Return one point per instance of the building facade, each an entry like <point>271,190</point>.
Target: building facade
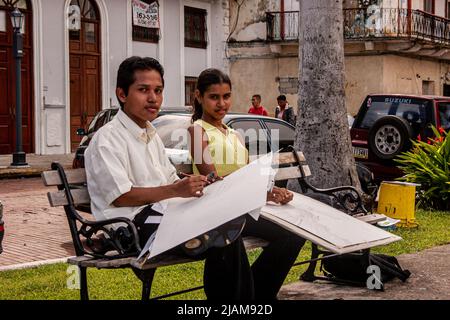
<point>72,49</point>
<point>391,46</point>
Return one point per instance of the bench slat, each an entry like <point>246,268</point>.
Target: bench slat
<point>58,198</point>
<point>250,243</point>
<point>74,176</point>
<point>288,173</point>
<point>287,158</point>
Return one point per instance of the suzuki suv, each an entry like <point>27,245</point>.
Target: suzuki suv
<point>386,124</point>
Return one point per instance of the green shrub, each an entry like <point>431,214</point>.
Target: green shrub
<point>428,165</point>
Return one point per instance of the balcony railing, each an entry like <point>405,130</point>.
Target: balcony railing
<point>362,25</point>
<point>282,26</point>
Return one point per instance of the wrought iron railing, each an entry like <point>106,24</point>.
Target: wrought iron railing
<point>361,24</point>
<point>282,26</point>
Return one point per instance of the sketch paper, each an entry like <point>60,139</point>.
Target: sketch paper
<point>334,229</point>
<point>238,193</point>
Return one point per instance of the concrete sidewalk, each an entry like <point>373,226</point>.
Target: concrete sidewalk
<point>37,164</point>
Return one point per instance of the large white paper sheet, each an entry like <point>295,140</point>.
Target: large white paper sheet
<point>242,191</point>
<point>322,222</point>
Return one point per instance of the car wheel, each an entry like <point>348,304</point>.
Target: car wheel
<point>389,136</point>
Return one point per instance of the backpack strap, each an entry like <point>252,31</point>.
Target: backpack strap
<point>392,267</point>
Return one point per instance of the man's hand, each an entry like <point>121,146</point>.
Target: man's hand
<point>280,195</point>
<point>190,186</point>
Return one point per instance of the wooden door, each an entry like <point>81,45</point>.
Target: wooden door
<point>8,79</point>
<point>85,65</point>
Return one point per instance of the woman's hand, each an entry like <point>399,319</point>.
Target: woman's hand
<point>280,195</point>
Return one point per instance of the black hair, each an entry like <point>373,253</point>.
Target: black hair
<point>257,96</point>
<point>281,97</point>
<point>125,74</point>
<point>206,79</point>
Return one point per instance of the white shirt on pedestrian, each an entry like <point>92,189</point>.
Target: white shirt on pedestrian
<point>122,155</point>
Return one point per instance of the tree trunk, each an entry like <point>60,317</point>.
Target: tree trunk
<point>322,131</point>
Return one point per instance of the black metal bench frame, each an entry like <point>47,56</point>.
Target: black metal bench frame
<point>120,246</point>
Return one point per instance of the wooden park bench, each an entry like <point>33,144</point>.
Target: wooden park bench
<point>101,247</point>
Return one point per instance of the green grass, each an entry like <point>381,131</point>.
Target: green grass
<point>49,282</point>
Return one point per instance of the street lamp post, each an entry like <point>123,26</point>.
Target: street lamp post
<point>19,157</point>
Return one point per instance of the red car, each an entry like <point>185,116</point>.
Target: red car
<point>386,124</point>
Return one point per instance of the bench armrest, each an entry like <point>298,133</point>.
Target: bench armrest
<point>124,238</point>
<point>346,196</point>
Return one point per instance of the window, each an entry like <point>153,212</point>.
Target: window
<point>144,34</point>
<point>195,33</point>
<point>447,10</point>
<point>2,21</point>
<point>414,111</point>
<point>281,135</point>
<point>444,115</point>
<point>21,4</point>
<point>428,87</point>
<point>255,137</point>
<point>6,14</point>
<point>428,6</point>
<point>189,90</point>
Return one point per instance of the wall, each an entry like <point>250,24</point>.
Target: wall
<point>52,83</point>
<point>268,77</point>
<point>363,75</point>
<point>55,106</point>
<point>118,47</point>
<point>406,75</point>
<point>251,25</point>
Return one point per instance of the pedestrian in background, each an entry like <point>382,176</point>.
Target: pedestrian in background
<point>256,107</point>
<point>284,111</point>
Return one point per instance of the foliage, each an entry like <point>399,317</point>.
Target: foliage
<point>428,164</point>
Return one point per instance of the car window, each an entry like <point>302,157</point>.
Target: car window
<point>97,122</point>
<point>173,130</point>
<point>254,135</point>
<point>412,110</point>
<point>281,134</point>
<point>444,115</point>
<point>113,113</point>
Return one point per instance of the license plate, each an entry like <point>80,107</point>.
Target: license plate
<point>361,153</point>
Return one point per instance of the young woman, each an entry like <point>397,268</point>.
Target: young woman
<point>216,148</point>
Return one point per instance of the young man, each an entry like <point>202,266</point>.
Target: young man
<point>284,111</point>
<point>256,107</point>
<point>128,170</point>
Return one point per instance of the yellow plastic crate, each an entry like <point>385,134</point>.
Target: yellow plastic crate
<point>397,200</point>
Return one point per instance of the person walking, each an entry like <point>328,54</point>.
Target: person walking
<point>256,107</point>
<point>284,111</point>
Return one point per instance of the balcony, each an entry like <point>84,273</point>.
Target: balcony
<point>382,24</point>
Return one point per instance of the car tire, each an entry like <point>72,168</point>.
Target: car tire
<point>389,137</point>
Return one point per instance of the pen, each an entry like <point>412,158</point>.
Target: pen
<point>209,177</point>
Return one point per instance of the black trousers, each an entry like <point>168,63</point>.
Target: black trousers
<point>227,275</point>
<point>273,264</point>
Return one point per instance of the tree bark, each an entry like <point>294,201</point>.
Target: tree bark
<point>322,131</point>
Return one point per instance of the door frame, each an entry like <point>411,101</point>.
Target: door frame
<point>104,54</point>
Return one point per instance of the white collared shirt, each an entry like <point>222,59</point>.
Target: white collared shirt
<point>122,155</point>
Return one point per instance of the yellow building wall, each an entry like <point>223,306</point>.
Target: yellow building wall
<point>363,75</point>
<point>406,75</point>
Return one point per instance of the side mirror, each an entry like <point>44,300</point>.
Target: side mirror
<point>81,132</point>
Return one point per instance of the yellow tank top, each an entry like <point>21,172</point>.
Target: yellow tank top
<point>227,151</point>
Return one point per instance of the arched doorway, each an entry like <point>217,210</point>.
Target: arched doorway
<point>8,78</point>
<point>85,65</point>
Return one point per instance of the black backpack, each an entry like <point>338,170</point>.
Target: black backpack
<point>363,269</point>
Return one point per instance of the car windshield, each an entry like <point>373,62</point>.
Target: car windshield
<point>172,129</point>
<point>444,115</point>
<point>410,109</point>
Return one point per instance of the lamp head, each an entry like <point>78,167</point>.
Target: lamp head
<point>17,19</point>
